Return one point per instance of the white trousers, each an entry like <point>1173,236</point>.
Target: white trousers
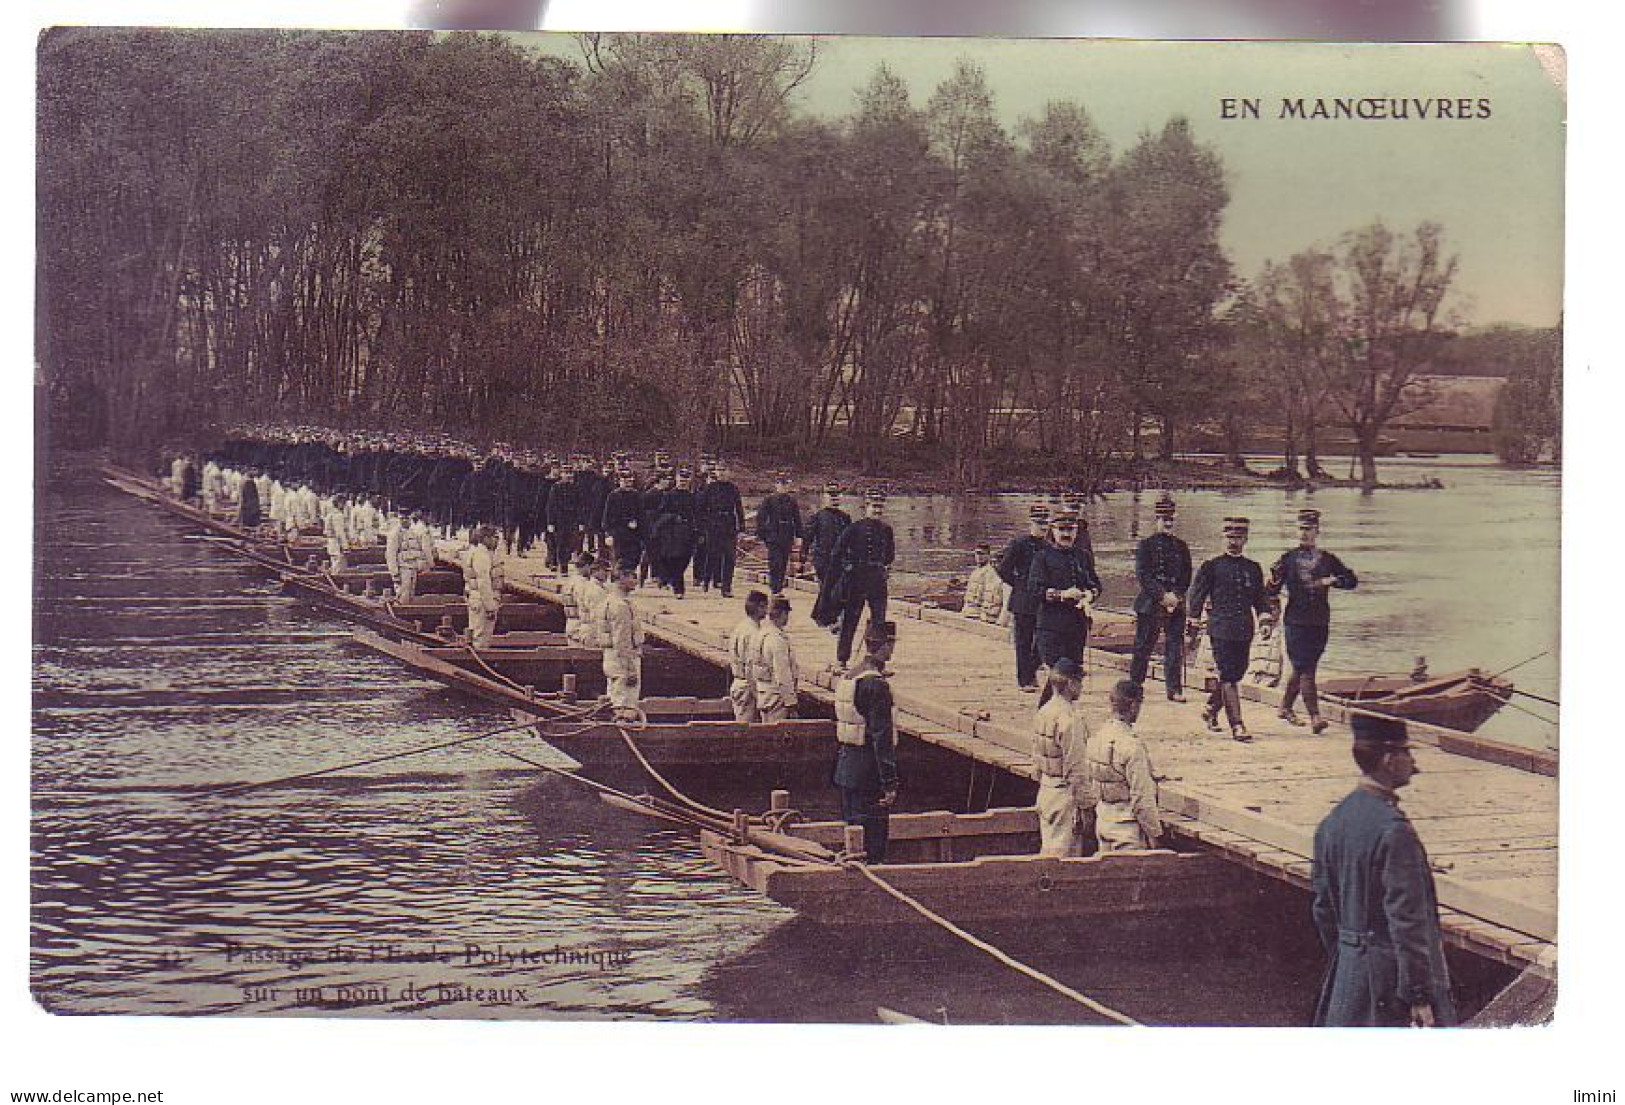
<point>1060,820</point>
<point>625,679</point>
<point>482,622</point>
<point>1117,829</point>
<point>742,694</point>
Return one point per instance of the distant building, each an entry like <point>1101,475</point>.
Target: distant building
<point>1456,404</point>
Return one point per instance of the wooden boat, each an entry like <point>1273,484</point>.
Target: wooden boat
<point>977,869</point>
<point>1461,700</point>
<point>521,677</point>
<point>699,733</point>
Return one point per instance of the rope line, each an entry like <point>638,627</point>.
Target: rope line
<point>983,946</point>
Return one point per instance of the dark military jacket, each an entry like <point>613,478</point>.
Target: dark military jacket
<point>1306,605</point>
<point>1162,563</point>
<point>1236,586</point>
<point>623,512</point>
<point>824,529</point>
<point>1012,568</point>
<point>673,532</point>
<point>1055,568</point>
<point>565,507</point>
<point>866,543</point>
<point>721,510</point>
<point>778,519</point>
<point>1377,913</point>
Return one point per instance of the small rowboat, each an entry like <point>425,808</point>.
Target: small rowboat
<point>1461,700</point>
<point>977,869</point>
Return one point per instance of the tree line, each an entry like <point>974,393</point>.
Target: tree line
<point>459,233</point>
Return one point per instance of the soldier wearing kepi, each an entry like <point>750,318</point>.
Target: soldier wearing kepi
<point>778,524</point>
<point>863,557</point>
<point>866,753</point>
<point>1375,905</point>
<point>1012,570</point>
<point>1308,574</point>
<point>1235,585</point>
<point>824,528</point>
<point>722,517</point>
<point>1060,741</point>
<point>1162,563</point>
<point>483,586</point>
<point>1063,583</point>
<point>620,632</point>
<point>623,520</point>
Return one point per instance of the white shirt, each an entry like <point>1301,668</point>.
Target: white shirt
<point>742,647</point>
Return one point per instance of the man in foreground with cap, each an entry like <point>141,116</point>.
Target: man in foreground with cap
<point>981,579</point>
<point>1063,582</point>
<point>866,752</point>
<point>1120,778</point>
<point>777,676</point>
<point>863,557</point>
<point>778,525</point>
<point>620,632</point>
<point>1308,574</point>
<point>1012,568</point>
<point>482,585</point>
<point>1162,564</point>
<point>1375,905</point>
<point>1235,585</point>
<point>1060,742</point>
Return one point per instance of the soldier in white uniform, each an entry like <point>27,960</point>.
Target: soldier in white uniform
<point>1060,740</point>
<point>482,586</point>
<point>591,595</point>
<point>742,648</point>
<point>621,634</point>
<point>571,590</point>
<point>776,673</point>
<point>338,536</point>
<point>982,579</point>
<point>1126,814</point>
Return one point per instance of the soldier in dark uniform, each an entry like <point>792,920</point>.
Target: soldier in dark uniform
<point>1235,585</point>
<point>1063,584</point>
<point>1012,568</point>
<point>564,519</point>
<point>722,517</point>
<point>1307,574</point>
<point>191,482</point>
<point>660,483</point>
<point>595,489</point>
<point>863,556</point>
<point>702,547</point>
<point>866,748</point>
<point>248,503</point>
<point>671,540</point>
<point>778,524</point>
<point>1162,563</point>
<point>623,521</point>
<point>823,529</point>
<point>1375,905</point>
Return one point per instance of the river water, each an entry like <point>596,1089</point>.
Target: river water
<point>1466,576</point>
<point>449,885</point>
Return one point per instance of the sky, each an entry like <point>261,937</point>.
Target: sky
<point>1496,184</point>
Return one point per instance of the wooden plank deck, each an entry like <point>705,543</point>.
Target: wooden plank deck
<point>1490,827</point>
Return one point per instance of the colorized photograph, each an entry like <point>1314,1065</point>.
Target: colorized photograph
<point>796,529</point>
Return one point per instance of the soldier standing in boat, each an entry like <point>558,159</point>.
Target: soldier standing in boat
<point>778,525</point>
<point>722,517</point>
<point>1060,740</point>
<point>1375,905</point>
<point>1120,777</point>
<point>620,631</point>
<point>1023,607</point>
<point>483,586</point>
<point>863,557</point>
<point>743,644</point>
<point>824,528</point>
<point>776,673</point>
<point>1307,573</point>
<point>1235,586</point>
<point>1162,564</point>
<point>1063,583</point>
<point>866,752</point>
